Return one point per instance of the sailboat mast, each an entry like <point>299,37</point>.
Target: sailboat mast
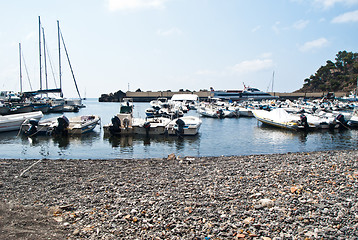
<point>59,55</point>
<point>40,53</point>
<point>43,34</point>
<point>69,63</point>
<point>20,68</point>
<point>273,78</point>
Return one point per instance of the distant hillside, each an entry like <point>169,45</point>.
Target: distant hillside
<point>338,76</point>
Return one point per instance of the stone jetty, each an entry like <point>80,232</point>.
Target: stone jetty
<point>281,196</point>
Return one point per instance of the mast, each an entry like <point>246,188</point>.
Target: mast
<point>43,34</point>
<point>273,77</point>
<point>59,55</point>
<point>68,59</point>
<point>20,68</point>
<point>40,53</point>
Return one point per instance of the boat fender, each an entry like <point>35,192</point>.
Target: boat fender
<point>180,123</point>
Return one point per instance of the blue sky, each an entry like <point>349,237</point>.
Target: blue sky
<point>173,44</point>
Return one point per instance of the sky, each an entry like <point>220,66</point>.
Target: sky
<point>157,45</point>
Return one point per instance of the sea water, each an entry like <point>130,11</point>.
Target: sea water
<point>217,137</point>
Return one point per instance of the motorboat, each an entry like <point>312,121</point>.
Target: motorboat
<point>184,126</point>
<point>280,118</point>
<point>61,125</point>
<point>159,103</point>
<point>13,121</point>
<point>150,126</point>
<point>245,112</point>
<point>121,124</point>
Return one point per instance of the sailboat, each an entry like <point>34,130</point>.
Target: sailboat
<point>58,104</point>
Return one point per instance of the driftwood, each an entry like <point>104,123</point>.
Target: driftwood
<point>27,169</point>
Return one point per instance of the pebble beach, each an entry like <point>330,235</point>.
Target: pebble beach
<point>281,196</point>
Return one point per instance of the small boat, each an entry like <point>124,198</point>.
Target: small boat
<point>159,103</point>
<point>150,126</point>
<point>245,112</point>
<point>21,108</point>
<point>4,109</point>
<point>184,126</point>
<point>13,121</point>
<point>121,124</point>
<point>61,125</point>
<point>208,111</point>
<point>43,107</point>
<point>125,124</point>
<point>280,118</point>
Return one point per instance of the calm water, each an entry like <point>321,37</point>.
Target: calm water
<point>241,136</point>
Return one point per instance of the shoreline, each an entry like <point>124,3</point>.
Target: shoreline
<point>278,196</point>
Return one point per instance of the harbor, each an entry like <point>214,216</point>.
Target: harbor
<point>178,120</point>
<point>216,137</point>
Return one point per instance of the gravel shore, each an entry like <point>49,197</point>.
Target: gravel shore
<point>279,196</point>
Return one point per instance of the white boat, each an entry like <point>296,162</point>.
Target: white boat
<point>150,126</point>
<point>13,121</point>
<point>353,121</point>
<point>61,125</point>
<point>246,94</point>
<point>208,111</point>
<point>121,124</point>
<point>184,126</point>
<point>245,112</point>
<point>159,103</point>
<point>282,119</point>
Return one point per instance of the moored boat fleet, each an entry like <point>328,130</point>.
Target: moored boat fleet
<point>163,118</point>
<point>168,117</point>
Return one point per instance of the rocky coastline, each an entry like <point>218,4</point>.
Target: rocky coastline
<point>280,196</point>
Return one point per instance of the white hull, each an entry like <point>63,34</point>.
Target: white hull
<point>191,127</point>
<point>77,125</point>
<point>13,122</point>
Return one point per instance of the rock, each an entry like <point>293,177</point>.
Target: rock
<point>248,220</point>
<point>264,203</point>
<point>171,157</point>
<point>76,232</point>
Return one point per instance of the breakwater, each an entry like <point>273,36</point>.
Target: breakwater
<point>147,96</point>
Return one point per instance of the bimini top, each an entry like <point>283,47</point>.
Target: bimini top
<point>185,97</point>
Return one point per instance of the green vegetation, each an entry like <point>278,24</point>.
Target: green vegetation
<point>339,76</point>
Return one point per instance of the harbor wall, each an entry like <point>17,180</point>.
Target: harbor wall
<point>149,95</point>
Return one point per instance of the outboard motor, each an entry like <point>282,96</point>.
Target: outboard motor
<point>340,118</point>
<point>126,123</point>
<point>303,121</point>
<point>146,126</point>
<point>116,124</point>
<point>220,113</point>
<point>62,126</point>
<point>180,123</point>
<point>33,128</point>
